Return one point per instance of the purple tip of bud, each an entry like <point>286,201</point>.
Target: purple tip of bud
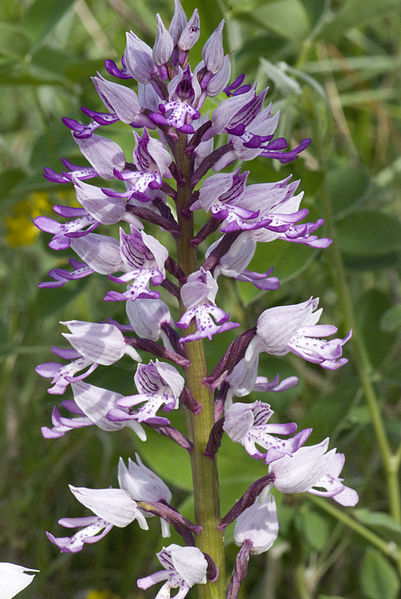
<point>73,124</point>
<point>54,177</point>
<point>234,88</point>
<point>212,572</point>
<point>242,90</point>
<point>113,69</point>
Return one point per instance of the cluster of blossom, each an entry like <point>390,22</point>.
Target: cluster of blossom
<point>183,148</point>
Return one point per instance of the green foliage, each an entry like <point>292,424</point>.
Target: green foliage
<point>378,577</point>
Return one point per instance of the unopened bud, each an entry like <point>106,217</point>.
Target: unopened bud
<point>164,45</point>
<point>190,34</point>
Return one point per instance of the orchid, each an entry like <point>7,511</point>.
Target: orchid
<point>175,183</point>
<point>310,469</point>
<point>158,384</point>
<point>258,524</point>
<point>198,296</point>
<point>293,328</point>
<point>112,507</point>
<point>90,406</point>
<point>249,424</point>
<point>183,567</point>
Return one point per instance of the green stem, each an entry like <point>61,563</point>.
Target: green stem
<point>361,359</point>
<point>204,469</point>
<point>389,549</point>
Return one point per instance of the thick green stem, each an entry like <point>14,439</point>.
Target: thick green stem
<point>204,469</point>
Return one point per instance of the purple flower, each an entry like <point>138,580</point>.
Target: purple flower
<point>243,379</point>
<point>100,254</point>
<point>90,406</point>
<point>61,276</point>
<point>293,329</point>
<point>310,469</point>
<point>103,154</point>
<point>213,51</point>
<point>163,47</point>
<point>93,344</point>
<point>138,59</point>
<point>112,507</point>
<point>143,258</point>
<point>258,524</point>
<point>190,34</point>
<point>178,22</point>
<point>183,568</point>
<point>142,484</point>
<point>198,295</point>
<point>234,262</point>
<point>151,163</point>
<point>122,102</point>
<point>147,317</point>
<point>158,384</point>
<point>249,425</point>
<point>62,233</point>
<point>184,91</point>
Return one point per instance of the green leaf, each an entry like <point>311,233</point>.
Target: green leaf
<point>346,186</point>
<point>370,310</point>
<point>13,41</point>
<point>42,16</point>
<point>369,233</point>
<point>8,180</point>
<point>330,412</point>
<point>81,70</point>
<point>355,13</point>
<point>391,319</point>
<point>355,262</point>
<point>382,523</point>
<point>237,470</point>
<point>313,527</point>
<point>378,578</point>
<point>286,18</point>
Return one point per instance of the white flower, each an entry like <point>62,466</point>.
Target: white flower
<point>14,579</point>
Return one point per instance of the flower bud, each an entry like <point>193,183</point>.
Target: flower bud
<point>190,34</point>
<point>178,22</point>
<point>213,52</point>
<point>138,58</point>
<point>164,45</point>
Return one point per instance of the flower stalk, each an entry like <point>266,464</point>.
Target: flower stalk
<point>204,469</point>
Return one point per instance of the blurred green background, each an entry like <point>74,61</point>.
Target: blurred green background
<point>333,68</point>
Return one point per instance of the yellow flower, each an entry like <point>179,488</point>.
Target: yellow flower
<point>104,594</point>
<point>20,229</point>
